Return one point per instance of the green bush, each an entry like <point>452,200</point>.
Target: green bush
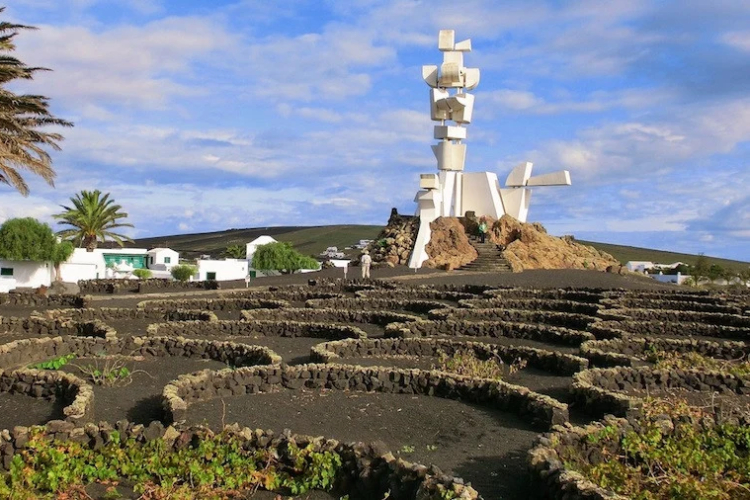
<point>675,453</point>
<point>281,256</point>
<point>143,274</point>
<point>183,272</point>
<point>216,465</point>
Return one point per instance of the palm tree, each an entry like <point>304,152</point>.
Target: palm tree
<point>21,116</point>
<point>92,217</point>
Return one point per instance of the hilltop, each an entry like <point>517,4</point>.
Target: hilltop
<point>312,240</point>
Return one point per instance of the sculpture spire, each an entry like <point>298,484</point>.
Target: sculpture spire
<point>453,192</point>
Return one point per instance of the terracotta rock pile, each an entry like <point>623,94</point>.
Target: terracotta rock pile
<point>528,246</point>
<point>449,246</point>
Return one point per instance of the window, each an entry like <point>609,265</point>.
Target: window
<point>211,276</point>
<point>167,260</point>
<point>6,271</point>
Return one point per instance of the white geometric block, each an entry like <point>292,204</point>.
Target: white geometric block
<point>430,75</point>
<point>462,107</point>
<point>451,75</point>
<point>429,181</point>
<point>450,132</point>
<point>471,78</point>
<point>463,46</point>
<point>439,109</point>
<point>450,155</point>
<point>560,178</point>
<point>454,57</point>
<point>516,202</point>
<point>446,40</point>
<point>519,175</point>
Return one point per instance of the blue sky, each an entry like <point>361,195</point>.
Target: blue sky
<point>201,116</point>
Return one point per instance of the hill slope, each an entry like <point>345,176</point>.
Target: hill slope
<point>313,240</point>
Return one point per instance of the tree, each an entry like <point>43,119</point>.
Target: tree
<point>701,269</point>
<point>29,239</point>
<point>235,252</point>
<point>281,256</point>
<point>21,119</point>
<point>183,272</point>
<point>92,217</point>
<point>142,274</point>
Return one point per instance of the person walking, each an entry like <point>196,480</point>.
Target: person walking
<point>365,261</point>
<point>482,229</point>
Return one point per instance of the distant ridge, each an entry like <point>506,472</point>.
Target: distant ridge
<point>312,240</point>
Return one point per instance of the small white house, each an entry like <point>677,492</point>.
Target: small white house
<point>253,245</point>
<point>162,259</point>
<point>222,270</point>
<point>639,266</point>
<point>25,273</point>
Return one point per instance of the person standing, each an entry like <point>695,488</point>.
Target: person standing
<point>483,229</point>
<point>365,261</point>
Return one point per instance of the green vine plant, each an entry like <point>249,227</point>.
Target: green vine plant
<point>54,364</point>
<point>674,451</point>
<point>467,363</point>
<point>111,371</point>
<point>668,360</point>
<point>218,466</point>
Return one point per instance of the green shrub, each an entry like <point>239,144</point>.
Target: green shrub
<point>183,272</point>
<point>143,274</point>
<point>212,466</point>
<point>282,257</point>
<point>671,455</point>
<point>54,364</point>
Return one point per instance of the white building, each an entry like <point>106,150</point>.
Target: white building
<point>253,245</point>
<point>25,273</point>
<point>162,259</point>
<point>222,270</point>
<point>639,266</point>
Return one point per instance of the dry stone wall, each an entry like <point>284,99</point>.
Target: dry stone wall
<point>589,296</point>
<point>228,304</point>
<point>568,306</point>
<point>414,306</point>
<point>76,395</point>
<point>36,300</point>
<point>600,390</point>
<point>709,318</point>
<point>328,315</point>
<point>549,361</point>
<point>542,411</point>
<point>633,350</point>
<point>256,327</point>
<point>508,329</point>
<point>566,320</point>
<point>615,329</point>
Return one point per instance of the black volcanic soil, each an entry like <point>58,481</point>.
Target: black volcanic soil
<point>19,409</point>
<point>485,447</point>
<point>140,400</point>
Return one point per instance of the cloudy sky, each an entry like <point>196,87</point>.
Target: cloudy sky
<point>201,116</point>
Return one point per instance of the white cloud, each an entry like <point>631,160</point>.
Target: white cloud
<point>121,66</point>
<point>737,39</point>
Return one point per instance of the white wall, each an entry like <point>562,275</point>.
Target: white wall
<point>28,273</point>
<point>229,269</point>
<point>72,273</point>
<point>158,254</point>
<point>671,278</point>
<point>96,258</point>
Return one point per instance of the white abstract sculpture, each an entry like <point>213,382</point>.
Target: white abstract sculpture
<point>453,192</point>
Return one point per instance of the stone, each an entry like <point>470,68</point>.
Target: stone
<point>449,246</point>
<point>528,247</point>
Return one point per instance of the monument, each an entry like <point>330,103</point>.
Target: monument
<point>451,191</point>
